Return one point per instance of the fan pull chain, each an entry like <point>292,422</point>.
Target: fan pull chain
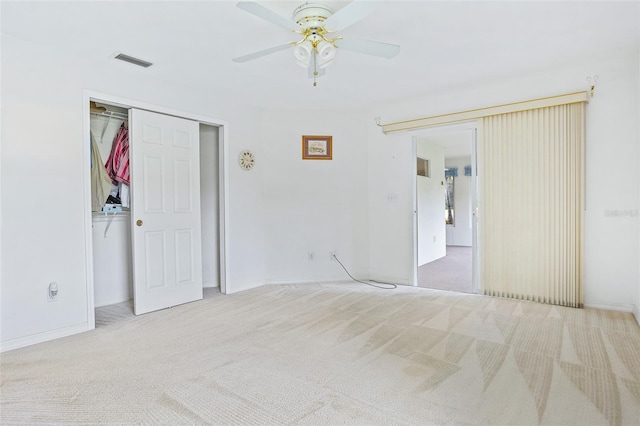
<point>315,67</point>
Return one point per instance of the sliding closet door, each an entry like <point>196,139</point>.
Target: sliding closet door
<point>165,210</point>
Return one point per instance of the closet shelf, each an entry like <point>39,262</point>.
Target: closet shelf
<point>111,114</point>
<point>110,214</point>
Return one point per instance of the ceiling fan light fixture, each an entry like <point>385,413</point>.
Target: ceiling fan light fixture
<point>326,53</point>
<point>302,53</point>
<point>316,23</point>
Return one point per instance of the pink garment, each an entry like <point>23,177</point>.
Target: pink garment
<point>117,164</point>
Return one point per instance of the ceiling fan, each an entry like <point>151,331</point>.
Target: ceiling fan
<point>317,23</point>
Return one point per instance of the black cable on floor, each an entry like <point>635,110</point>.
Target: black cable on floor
<point>364,282</point>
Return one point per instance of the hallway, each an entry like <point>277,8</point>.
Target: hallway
<point>452,272</point>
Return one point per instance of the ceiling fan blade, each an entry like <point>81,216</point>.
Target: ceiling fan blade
<point>261,53</point>
<point>351,13</point>
<point>267,14</point>
<point>368,47</point>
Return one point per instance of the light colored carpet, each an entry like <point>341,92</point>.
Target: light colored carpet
<point>452,272</point>
<point>332,354</point>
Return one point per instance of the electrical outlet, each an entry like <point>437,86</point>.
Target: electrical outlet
<point>52,292</point>
<point>332,255</point>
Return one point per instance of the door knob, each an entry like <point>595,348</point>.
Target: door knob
<point>139,222</point>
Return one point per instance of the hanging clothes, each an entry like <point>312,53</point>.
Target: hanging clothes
<point>118,162</point>
<point>100,180</point>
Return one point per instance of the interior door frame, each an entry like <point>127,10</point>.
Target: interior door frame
<point>475,196</point>
<point>223,196</point>
<point>471,126</point>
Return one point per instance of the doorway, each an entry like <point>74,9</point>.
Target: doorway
<point>212,150</point>
<point>445,203</point>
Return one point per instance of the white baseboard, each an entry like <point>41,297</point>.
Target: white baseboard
<point>21,342</point>
<point>612,307</point>
<point>381,280</point>
<point>281,282</point>
<point>636,313</point>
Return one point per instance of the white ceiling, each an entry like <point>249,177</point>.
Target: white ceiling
<point>443,44</point>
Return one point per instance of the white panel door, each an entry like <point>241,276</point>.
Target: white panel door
<point>165,210</point>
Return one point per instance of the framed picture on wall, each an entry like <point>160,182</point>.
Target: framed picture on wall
<point>317,148</point>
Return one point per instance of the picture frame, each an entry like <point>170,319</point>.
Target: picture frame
<point>317,147</point>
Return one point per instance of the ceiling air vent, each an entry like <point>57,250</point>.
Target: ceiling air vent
<point>134,61</point>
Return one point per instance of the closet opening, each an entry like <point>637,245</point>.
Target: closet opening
<point>114,285</point>
<point>210,206</point>
<point>110,208</point>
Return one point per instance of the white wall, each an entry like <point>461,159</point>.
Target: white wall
<point>611,274</point>
<point>42,156</point>
<point>367,187</point>
<point>390,218</point>
<point>637,299</point>
<point>43,172</point>
<point>209,206</point>
<point>430,198</point>
<point>459,234</point>
<point>613,132</point>
<point>313,207</point>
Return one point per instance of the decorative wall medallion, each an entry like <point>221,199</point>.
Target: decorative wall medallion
<point>247,160</point>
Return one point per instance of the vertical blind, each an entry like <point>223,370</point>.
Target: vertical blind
<point>531,210</point>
